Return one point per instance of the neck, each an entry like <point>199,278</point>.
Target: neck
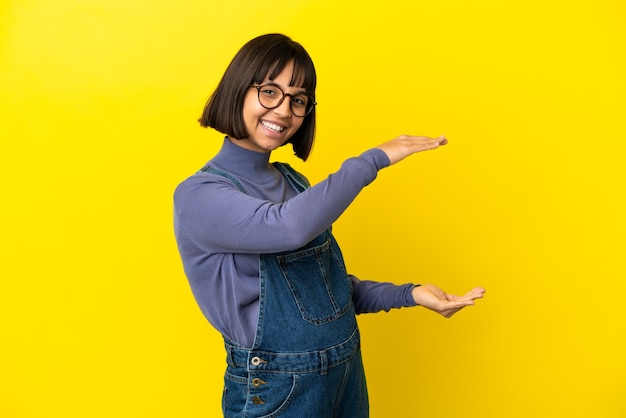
<point>243,162</point>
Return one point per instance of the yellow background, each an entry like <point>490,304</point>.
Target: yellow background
<point>99,101</point>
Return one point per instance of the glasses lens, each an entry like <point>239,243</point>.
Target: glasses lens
<point>270,96</point>
<point>300,104</point>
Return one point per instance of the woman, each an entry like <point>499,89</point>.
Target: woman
<point>257,247</point>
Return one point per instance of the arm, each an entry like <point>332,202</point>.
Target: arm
<point>214,214</point>
<point>369,296</point>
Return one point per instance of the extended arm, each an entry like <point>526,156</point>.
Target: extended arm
<point>370,296</point>
<point>214,214</point>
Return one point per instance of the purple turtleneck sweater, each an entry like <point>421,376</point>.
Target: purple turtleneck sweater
<point>221,231</point>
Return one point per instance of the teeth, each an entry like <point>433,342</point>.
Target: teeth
<point>272,126</point>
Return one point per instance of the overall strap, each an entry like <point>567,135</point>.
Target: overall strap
<point>295,179</point>
<point>213,170</point>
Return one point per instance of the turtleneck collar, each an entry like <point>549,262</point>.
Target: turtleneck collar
<point>244,163</point>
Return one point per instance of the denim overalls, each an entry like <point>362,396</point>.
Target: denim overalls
<point>306,358</point>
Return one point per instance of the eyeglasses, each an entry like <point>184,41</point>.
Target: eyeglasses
<point>271,96</point>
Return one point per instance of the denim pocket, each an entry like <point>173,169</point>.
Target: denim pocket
<point>257,394</point>
<point>318,282</point>
<point>270,394</point>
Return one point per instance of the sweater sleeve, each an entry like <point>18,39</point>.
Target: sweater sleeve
<point>369,296</point>
<point>212,213</point>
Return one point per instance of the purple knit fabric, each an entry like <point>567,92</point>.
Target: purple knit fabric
<point>220,232</point>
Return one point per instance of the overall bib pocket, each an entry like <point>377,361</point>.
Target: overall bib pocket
<point>311,275</point>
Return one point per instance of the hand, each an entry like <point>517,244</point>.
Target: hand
<point>435,299</point>
<point>401,147</point>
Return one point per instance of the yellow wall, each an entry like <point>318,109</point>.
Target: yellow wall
<point>98,109</point>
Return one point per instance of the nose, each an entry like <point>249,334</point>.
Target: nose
<point>284,110</point>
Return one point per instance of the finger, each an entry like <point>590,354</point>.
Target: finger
<point>476,293</point>
<point>455,304</point>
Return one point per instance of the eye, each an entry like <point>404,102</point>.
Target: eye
<point>300,100</point>
<point>269,91</point>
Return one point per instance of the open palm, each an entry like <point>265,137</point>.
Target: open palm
<point>445,304</point>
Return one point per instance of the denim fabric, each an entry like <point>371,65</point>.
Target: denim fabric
<point>306,358</point>
<point>304,385</point>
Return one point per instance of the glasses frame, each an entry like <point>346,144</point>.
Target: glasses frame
<point>282,99</point>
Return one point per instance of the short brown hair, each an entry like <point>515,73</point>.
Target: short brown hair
<point>262,57</point>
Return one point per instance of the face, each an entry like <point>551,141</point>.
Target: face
<point>269,129</point>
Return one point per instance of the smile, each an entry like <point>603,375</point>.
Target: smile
<point>272,126</point>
